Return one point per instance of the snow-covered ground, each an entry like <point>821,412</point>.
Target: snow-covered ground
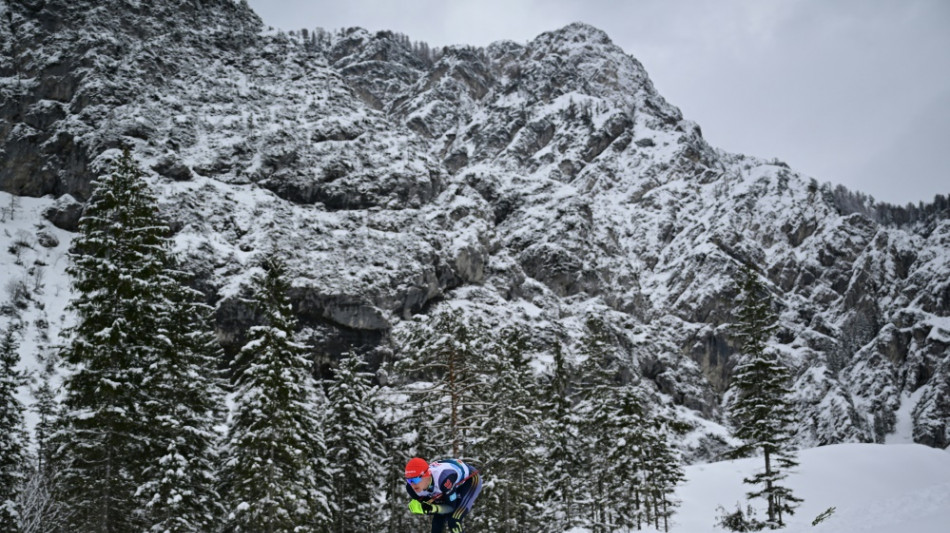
<point>873,488</point>
<point>34,287</point>
<point>904,425</point>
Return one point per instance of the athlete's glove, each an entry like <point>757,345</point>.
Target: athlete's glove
<point>417,507</point>
<point>457,528</point>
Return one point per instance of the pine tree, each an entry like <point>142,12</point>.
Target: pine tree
<point>354,449</point>
<point>440,375</point>
<point>133,422</point>
<point>661,469</point>
<point>102,449</point>
<point>398,445</point>
<point>13,451</point>
<point>560,430</point>
<point>759,406</point>
<point>627,456</point>
<point>274,471</point>
<point>509,438</point>
<point>40,512</point>
<point>46,410</point>
<point>443,365</point>
<point>186,401</point>
<point>596,408</point>
<point>627,448</point>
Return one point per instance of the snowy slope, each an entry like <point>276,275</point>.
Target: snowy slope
<point>873,488</point>
<point>35,286</point>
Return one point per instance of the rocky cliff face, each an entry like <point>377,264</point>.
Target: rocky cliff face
<point>538,183</point>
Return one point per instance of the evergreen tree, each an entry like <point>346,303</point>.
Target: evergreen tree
<point>103,447</point>
<point>135,437</point>
<point>46,410</point>
<point>443,366</point>
<point>627,449</point>
<point>40,512</point>
<point>660,469</point>
<point>509,439</point>
<point>560,430</point>
<point>354,449</point>
<point>627,456</point>
<point>441,376</point>
<point>186,401</point>
<point>596,408</point>
<point>274,472</point>
<point>759,405</point>
<point>398,445</point>
<point>13,457</point>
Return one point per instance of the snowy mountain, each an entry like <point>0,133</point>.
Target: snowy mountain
<point>533,184</point>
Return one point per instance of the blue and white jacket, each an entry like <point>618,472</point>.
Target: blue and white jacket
<point>447,475</point>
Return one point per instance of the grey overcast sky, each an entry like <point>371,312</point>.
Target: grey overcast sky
<point>855,92</point>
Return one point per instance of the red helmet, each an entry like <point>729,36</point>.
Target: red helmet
<point>416,467</point>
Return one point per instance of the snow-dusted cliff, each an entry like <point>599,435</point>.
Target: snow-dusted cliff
<point>536,184</point>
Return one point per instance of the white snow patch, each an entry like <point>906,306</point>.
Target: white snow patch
<point>904,426</point>
<point>873,488</point>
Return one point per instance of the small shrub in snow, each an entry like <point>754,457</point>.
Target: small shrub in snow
<point>738,520</point>
<point>826,514</point>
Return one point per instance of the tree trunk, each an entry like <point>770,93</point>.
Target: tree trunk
<point>453,392</point>
<point>768,486</point>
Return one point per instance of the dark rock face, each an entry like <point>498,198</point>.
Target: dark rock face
<point>930,417</point>
<point>345,310</point>
<point>233,318</point>
<point>65,213</point>
<point>173,168</point>
<point>539,182</point>
<point>559,269</point>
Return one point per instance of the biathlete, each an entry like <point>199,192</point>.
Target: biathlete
<point>445,489</point>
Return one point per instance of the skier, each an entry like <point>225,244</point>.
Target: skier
<point>445,489</point>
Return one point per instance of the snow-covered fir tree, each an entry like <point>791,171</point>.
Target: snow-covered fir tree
<point>13,445</point>
<point>274,475</point>
<point>438,381</point>
<point>661,470</point>
<point>46,408</point>
<point>119,419</point>
<point>627,447</point>
<point>758,399</point>
<point>562,442</point>
<point>185,402</point>
<point>626,454</point>
<point>508,441</point>
<point>39,511</point>
<point>442,362</point>
<point>596,407</point>
<point>398,445</point>
<point>357,459</point>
